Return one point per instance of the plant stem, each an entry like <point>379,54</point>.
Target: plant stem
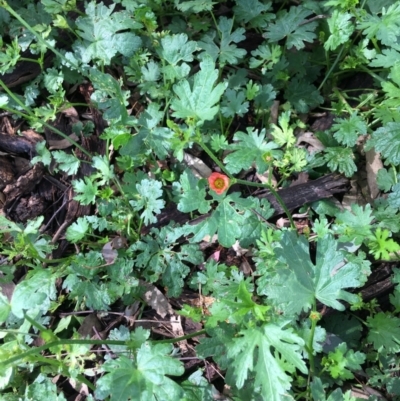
<point>215,160</point>
<point>38,350</point>
<point>309,345</point>
<point>331,69</point>
<point>177,339</point>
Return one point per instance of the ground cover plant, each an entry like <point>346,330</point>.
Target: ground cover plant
<point>149,250</point>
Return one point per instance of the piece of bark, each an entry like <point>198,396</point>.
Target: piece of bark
<point>6,172</point>
<point>311,191</point>
<point>24,185</point>
<point>29,208</point>
<point>17,145</point>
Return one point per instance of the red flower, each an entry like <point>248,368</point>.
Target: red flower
<point>219,183</point>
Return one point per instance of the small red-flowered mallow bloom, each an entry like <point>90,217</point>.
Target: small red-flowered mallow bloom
<point>219,183</point>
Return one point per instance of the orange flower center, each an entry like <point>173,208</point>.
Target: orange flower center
<point>219,183</point>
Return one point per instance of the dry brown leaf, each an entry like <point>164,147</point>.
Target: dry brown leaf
<point>373,165</point>
<point>157,300</point>
<point>62,143</point>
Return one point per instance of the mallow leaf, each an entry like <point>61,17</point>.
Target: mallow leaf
<point>256,350</point>
<point>142,379</point>
<point>251,148</point>
<point>198,99</point>
<point>300,282</point>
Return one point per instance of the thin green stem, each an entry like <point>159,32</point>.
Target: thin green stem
<point>214,159</point>
<point>38,350</point>
<point>177,339</point>
<point>310,347</point>
<point>333,66</point>
<point>315,316</point>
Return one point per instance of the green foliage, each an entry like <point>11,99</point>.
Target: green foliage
<point>342,362</point>
<point>290,26</point>
<point>252,351</point>
<point>242,86</point>
<point>144,378</point>
<point>316,280</point>
<point>198,101</point>
<point>99,34</point>
<point>250,148</point>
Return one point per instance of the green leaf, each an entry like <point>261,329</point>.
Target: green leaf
<point>229,53</point>
<point>394,197</point>
<point>109,97</point>
<point>98,30</point>
<point>5,308</point>
<point>233,103</point>
<point>265,56</point>
<point>387,59</point>
<point>58,6</point>
<point>341,28</point>
<point>255,219</point>
<point>299,283</point>
<point>44,155</point>
<point>283,134</point>
<point>250,148</point>
<point>218,44</point>
<point>384,332</point>
<point>342,362</point>
<point>176,48</point>
<point>340,159</point>
<point>93,294</point>
<point>392,89</point>
<point>302,95</point>
<point>347,131</point>
<point>226,220</point>
<point>151,138</point>
<point>198,100</point>
<point>148,193</point>
<point>386,140</point>
<point>43,389</point>
<point>195,6</point>
<point>53,80</point>
<point>269,352</point>
<point>143,379</point>
<point>9,58</point>
<point>160,258</point>
<point>36,291</point>
<point>88,190</point>
<point>355,225</point>
<point>290,25</point>
<point>386,179</point>
<point>381,246</point>
<point>265,98</point>
<point>102,164</point>
<point>197,388</point>
<point>66,162</point>
<point>253,12</point>
<point>193,195</point>
<point>385,27</point>
<point>76,231</point>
